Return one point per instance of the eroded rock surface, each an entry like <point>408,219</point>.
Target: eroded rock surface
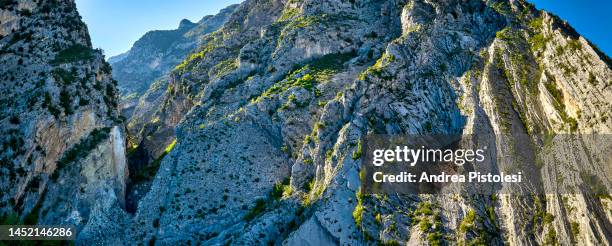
<point>61,137</point>
<point>307,80</point>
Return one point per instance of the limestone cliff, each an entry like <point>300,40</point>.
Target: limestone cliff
<point>59,123</point>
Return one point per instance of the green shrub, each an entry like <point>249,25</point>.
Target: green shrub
<point>501,7</point>
<point>573,123</point>
<point>468,221</point>
<point>25,12</point>
<point>288,13</point>
<point>65,102</point>
<point>110,91</point>
<point>74,53</point>
<point>48,103</point>
<point>328,154</point>
<point>357,153</point>
<point>26,37</point>
<point>97,85</point>
<point>223,68</point>
<point>106,68</point>
<point>434,238</point>
<point>551,237</point>
<point>548,218</point>
<point>554,91</point>
<point>358,213</point>
<point>6,3</point>
<point>536,24</point>
<point>378,219</point>
<point>557,95</point>
<point>66,77</point>
<point>505,34</point>
<point>592,80</point>
<point>32,217</point>
<point>390,243</point>
<point>376,70</point>
<point>9,219</point>
<point>318,71</point>
<point>212,42</point>
<point>575,229</point>
<point>428,127</point>
<point>260,206</point>
<point>538,41</point>
<point>574,44</point>
<point>279,189</point>
<point>307,140</point>
<point>309,185</point>
<point>14,120</point>
<point>83,101</point>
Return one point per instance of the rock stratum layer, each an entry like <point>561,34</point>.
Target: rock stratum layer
<point>259,129</point>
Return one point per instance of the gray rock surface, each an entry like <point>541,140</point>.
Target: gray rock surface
<point>315,77</point>
<point>62,140</point>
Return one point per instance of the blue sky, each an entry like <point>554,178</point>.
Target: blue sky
<point>115,25</point>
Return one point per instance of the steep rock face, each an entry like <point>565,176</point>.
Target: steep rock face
<point>58,111</point>
<point>171,97</point>
<point>270,110</point>
<point>156,53</point>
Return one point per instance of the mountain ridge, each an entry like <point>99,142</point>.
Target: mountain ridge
<point>155,53</point>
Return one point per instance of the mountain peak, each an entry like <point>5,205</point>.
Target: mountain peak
<point>185,23</point>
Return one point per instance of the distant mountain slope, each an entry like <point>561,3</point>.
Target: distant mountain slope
<point>156,53</point>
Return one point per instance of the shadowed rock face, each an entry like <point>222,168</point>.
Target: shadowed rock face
<point>258,130</point>
<point>59,123</point>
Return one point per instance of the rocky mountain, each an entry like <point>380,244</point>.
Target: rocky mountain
<point>256,137</point>
<point>264,121</point>
<point>63,145</point>
<point>156,53</point>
